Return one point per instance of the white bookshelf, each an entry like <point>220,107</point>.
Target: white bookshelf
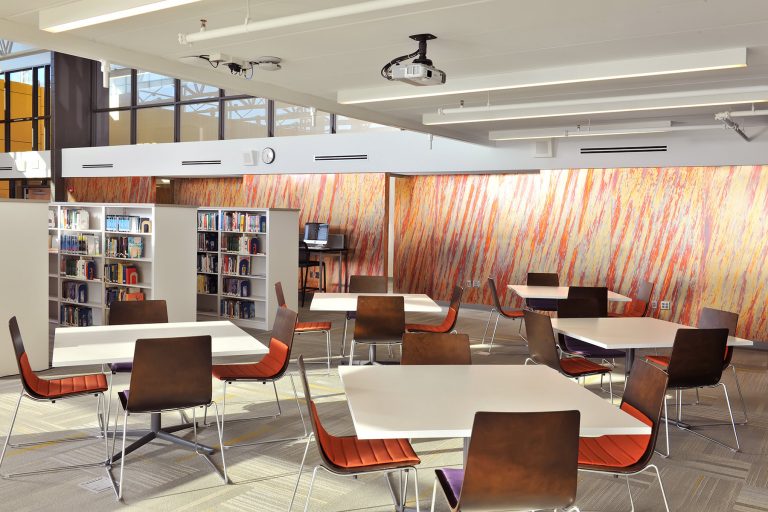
<point>238,265</point>
<point>164,265</point>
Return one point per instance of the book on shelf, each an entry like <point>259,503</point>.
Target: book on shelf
<point>207,284</point>
<point>239,309</point>
<point>125,246</point>
<point>51,219</point>
<point>207,221</point>
<point>76,315</point>
<point>75,218</point>
<point>81,244</point>
<point>122,294</point>
<point>121,273</point>
<point>207,242</point>
<point>128,224</point>
<point>254,246</point>
<point>74,291</point>
<point>135,247</point>
<point>81,267</point>
<point>207,263</point>
<point>245,222</point>
<point>236,287</point>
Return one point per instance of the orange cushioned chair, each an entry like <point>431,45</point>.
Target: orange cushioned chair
<point>307,327</point>
<point>512,314</point>
<point>270,369</point>
<point>450,319</point>
<point>350,456</point>
<point>543,350</point>
<point>638,307</point>
<point>51,390</point>
<point>625,455</point>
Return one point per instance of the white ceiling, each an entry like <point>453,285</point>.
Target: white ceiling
<point>476,38</point>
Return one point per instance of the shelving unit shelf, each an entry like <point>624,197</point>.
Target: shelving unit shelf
<point>101,252</point>
<point>241,254</point>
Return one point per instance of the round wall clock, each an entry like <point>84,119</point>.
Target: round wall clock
<point>268,155</point>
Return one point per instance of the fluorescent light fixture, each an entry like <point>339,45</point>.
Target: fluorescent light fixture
<point>295,19</point>
<point>593,106</point>
<point>85,13</point>
<point>588,72</point>
<point>594,131</point>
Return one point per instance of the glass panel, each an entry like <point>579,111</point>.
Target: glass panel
<point>119,86</point>
<point>2,98</point>
<point>200,121</point>
<point>346,124</point>
<point>195,91</point>
<point>2,138</point>
<point>296,120</point>
<point>41,79</point>
<point>245,118</point>
<point>154,88</point>
<point>21,95</point>
<point>113,128</point>
<point>41,136</point>
<point>154,125</point>
<point>21,136</point>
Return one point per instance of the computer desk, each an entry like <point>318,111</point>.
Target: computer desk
<point>322,252</point>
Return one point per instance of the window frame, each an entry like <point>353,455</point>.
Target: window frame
<point>6,119</point>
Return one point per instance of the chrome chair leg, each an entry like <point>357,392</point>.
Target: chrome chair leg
<point>488,323</point>
<point>10,429</point>
<point>493,336</point>
<point>122,459</point>
<point>629,492</point>
<point>730,413</point>
<point>328,349</point>
<point>661,485</point>
<point>741,396</point>
<point>301,469</point>
<point>434,496</point>
<point>309,491</point>
<point>351,351</point>
<point>344,337</point>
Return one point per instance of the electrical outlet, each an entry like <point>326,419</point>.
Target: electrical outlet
<point>665,305</point>
<point>477,283</point>
<point>654,304</point>
<point>469,283</point>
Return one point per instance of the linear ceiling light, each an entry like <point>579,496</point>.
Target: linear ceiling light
<point>85,13</point>
<point>592,106</point>
<point>296,19</point>
<point>595,131</point>
<point>588,72</point>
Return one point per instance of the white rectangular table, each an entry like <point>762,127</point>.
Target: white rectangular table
<point>103,344</point>
<point>622,333</point>
<point>414,302</point>
<point>555,293</point>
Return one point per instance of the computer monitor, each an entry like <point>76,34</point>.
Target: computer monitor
<point>316,233</point>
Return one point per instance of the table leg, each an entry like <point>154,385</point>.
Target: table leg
<point>398,486</point>
<point>629,361</point>
<point>465,451</point>
<point>341,274</point>
<point>158,432</point>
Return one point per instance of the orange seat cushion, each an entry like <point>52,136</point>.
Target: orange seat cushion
<point>267,368</point>
<point>58,388</point>
<point>312,326</point>
<point>513,313</point>
<point>352,453</point>
<point>615,451</point>
<point>450,319</point>
<point>659,360</point>
<point>576,366</point>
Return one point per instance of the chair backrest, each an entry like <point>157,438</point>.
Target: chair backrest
<point>542,279</point>
<point>575,308</point>
<point>170,373</point>
<point>711,318</point>
<point>280,294</point>
<point>494,293</point>
<point>697,357</point>
<point>640,303</point>
<point>521,461</point>
<point>26,374</point>
<point>598,293</point>
<point>125,312</point>
<point>368,284</point>
<point>541,339</point>
<point>380,318</point>
<point>645,391</point>
<point>434,348</point>
<point>453,309</point>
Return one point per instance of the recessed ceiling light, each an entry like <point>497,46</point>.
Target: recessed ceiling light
<point>92,12</point>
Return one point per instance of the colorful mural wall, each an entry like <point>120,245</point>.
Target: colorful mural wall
<point>111,190</point>
<point>699,233</point>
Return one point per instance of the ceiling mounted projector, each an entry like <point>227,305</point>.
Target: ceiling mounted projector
<point>420,71</point>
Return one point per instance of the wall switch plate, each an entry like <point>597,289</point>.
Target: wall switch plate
<point>654,304</point>
<point>665,305</point>
<point>469,283</point>
<point>477,283</point>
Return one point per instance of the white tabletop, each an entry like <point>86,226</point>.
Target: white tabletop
<point>626,333</point>
<point>414,302</point>
<point>101,344</point>
<point>418,401</point>
<point>555,292</point>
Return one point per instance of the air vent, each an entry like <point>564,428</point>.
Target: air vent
<point>6,168</point>
<point>98,166</point>
<point>623,149</point>
<point>335,158</point>
<point>201,162</point>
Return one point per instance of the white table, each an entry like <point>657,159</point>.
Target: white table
<point>414,302</point>
<point>103,344</point>
<point>388,402</point>
<point>627,333</point>
<point>555,292</point>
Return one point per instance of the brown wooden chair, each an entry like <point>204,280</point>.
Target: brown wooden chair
<point>588,307</point>
<point>270,369</point>
<point>434,348</point>
<point>516,461</point>
<point>640,303</point>
<point>627,455</point>
<point>305,264</point>
<point>169,374</point>
<point>380,321</point>
<point>449,323</point>
<point>350,456</point>
<point>362,284</point>
<point>51,391</point>
<point>597,293</point>
<point>512,314</point>
<point>696,362</point>
<point>542,279</point>
<point>308,327</point>
<point>543,350</point>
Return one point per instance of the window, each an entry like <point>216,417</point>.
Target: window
<point>199,121</point>
<point>196,91</point>
<point>153,88</point>
<point>154,125</point>
<point>297,120</point>
<point>245,118</point>
<point>24,115</point>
